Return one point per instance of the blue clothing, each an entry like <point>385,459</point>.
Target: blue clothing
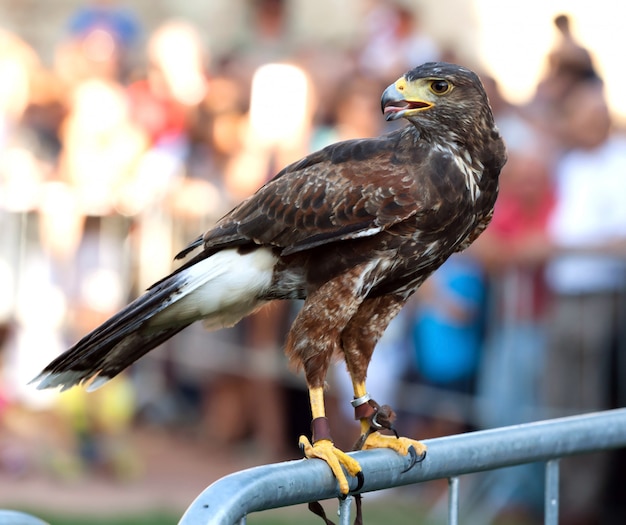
<point>121,23</point>
<point>448,329</point>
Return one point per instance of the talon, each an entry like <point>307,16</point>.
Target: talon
<point>304,445</point>
<point>401,445</point>
<point>303,442</point>
<point>336,459</point>
<point>414,458</point>
<point>360,477</point>
<point>395,432</point>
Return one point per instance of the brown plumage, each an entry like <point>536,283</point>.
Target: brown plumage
<point>352,229</point>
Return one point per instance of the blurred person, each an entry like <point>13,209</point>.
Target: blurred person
<point>588,280</point>
<point>227,105</point>
<point>447,332</point>
<point>265,38</point>
<point>18,64</point>
<point>24,170</point>
<point>567,64</point>
<point>174,105</point>
<point>32,303</point>
<point>278,127</point>
<point>516,124</point>
<point>395,40</point>
<point>101,146</point>
<point>514,252</point>
<point>101,152</point>
<point>355,113</point>
<point>119,21</point>
<point>98,43</point>
<point>215,132</point>
<point>43,117</point>
<point>175,82</point>
<point>589,221</point>
<point>32,107</point>
<point>100,440</point>
<point>20,173</point>
<point>13,456</point>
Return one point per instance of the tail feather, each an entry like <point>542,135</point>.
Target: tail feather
<point>118,342</point>
<point>221,289</point>
<point>101,363</point>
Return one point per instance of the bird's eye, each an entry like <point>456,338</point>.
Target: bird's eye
<point>440,87</point>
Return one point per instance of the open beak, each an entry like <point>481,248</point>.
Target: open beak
<point>395,105</point>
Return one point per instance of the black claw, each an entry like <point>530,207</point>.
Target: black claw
<point>360,442</point>
<point>360,481</point>
<point>415,459</point>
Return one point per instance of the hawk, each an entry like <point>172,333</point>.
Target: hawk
<point>352,229</point>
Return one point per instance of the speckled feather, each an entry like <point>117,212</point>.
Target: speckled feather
<point>327,197</point>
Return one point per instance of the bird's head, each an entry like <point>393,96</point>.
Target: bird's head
<point>439,97</point>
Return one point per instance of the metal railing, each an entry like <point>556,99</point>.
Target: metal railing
<point>13,517</point>
<point>229,500</point>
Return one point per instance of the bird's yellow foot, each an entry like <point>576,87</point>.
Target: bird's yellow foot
<point>401,445</point>
<point>375,417</point>
<point>335,458</point>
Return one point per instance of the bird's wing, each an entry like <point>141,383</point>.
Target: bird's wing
<point>348,190</point>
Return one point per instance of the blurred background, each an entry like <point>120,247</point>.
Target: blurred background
<point>127,128</point>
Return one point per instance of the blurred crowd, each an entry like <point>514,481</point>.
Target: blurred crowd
<point>118,154</point>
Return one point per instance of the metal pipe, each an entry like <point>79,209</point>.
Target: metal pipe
<point>453,501</point>
<point>551,504</point>
<point>344,510</point>
<point>227,500</point>
<point>12,517</point>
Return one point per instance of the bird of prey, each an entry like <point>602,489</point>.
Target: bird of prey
<point>352,229</point>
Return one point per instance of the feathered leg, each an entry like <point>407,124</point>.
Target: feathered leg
<point>359,339</point>
<point>312,341</point>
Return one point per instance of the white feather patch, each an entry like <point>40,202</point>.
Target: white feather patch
<point>366,233</point>
<point>221,289</point>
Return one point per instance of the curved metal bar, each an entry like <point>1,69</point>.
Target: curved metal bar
<point>13,517</point>
<point>229,499</point>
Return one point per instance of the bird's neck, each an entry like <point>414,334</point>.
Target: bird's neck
<point>472,154</point>
<point>474,148</point>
